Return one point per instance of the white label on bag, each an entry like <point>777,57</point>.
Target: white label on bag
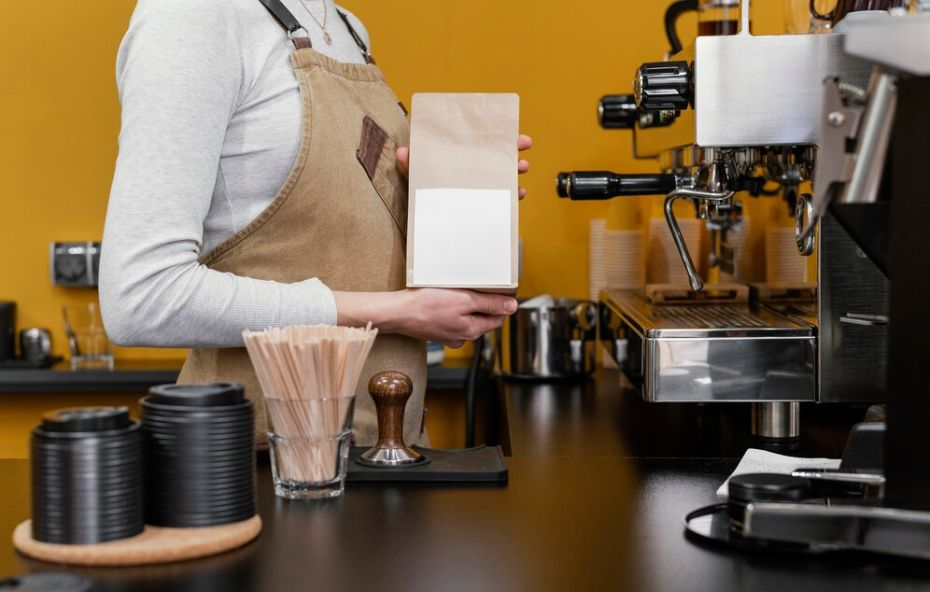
<point>462,237</point>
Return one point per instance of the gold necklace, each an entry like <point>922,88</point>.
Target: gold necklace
<point>326,36</point>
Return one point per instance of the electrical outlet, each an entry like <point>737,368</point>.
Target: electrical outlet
<point>74,265</point>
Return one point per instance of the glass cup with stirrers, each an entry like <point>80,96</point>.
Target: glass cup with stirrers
<point>308,376</point>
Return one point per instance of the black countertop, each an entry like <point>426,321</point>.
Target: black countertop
<point>599,485</point>
<point>139,376</point>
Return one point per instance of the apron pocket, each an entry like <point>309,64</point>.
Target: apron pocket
<point>377,155</point>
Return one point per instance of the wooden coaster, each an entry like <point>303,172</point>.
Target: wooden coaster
<point>156,544</point>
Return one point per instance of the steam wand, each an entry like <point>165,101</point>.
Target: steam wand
<point>697,284</point>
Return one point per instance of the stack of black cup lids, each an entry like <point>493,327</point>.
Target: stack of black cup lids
<point>86,476</point>
<point>199,457</point>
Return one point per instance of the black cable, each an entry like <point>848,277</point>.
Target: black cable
<point>672,13</point>
<point>470,393</point>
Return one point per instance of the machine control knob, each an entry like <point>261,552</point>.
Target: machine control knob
<point>663,86</point>
<point>617,112</point>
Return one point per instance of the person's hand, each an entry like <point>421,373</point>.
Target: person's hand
<point>524,142</point>
<point>450,317</point>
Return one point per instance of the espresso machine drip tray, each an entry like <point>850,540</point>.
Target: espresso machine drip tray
<point>796,301</point>
<point>708,350</point>
<point>707,317</point>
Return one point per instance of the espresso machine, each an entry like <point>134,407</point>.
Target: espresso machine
<point>734,117</point>
<point>731,116</point>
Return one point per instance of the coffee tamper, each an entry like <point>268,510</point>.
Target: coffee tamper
<point>390,391</point>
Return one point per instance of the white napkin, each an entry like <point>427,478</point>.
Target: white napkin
<point>762,461</point>
<point>542,301</point>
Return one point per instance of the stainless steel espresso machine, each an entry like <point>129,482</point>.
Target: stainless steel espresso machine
<point>732,117</point>
<point>849,111</point>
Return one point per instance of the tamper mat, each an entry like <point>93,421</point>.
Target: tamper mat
<point>392,460</point>
<point>482,464</point>
<point>155,545</point>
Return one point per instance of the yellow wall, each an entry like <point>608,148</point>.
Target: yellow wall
<point>60,119</point>
<point>561,58</point>
<point>19,413</point>
<point>60,116</point>
<point>58,131</point>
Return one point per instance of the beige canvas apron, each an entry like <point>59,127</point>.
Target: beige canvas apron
<point>341,216</point>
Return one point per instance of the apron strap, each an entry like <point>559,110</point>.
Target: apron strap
<point>357,37</point>
<point>288,21</point>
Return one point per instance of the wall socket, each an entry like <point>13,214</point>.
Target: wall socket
<point>74,265</point>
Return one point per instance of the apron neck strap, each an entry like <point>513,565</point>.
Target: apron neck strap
<point>289,23</point>
<point>356,36</point>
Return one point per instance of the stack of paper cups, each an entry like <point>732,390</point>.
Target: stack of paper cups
<point>783,263</point>
<point>738,239</point>
<point>616,260</point>
<point>597,270</point>
<point>624,259</point>
<point>664,261</point>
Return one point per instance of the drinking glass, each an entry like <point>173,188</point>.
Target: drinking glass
<point>88,343</point>
<point>309,442</point>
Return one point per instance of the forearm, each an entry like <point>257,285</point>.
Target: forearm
<point>388,311</point>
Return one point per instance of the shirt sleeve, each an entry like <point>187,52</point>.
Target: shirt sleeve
<point>179,74</point>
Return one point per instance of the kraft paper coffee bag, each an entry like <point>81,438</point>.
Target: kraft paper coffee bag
<point>462,217</point>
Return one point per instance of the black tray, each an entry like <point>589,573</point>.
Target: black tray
<point>482,464</point>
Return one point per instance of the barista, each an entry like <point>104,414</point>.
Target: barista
<point>241,201</point>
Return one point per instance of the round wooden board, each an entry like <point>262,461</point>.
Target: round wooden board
<point>155,545</point>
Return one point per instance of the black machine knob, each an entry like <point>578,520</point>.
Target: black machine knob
<point>587,185</point>
<point>663,86</point>
<point>621,112</point>
<point>617,112</point>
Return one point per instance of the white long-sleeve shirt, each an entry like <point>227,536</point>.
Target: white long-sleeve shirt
<point>210,129</point>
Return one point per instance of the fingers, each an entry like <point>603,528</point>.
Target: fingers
<point>493,304</point>
<point>456,316</point>
<point>403,160</point>
<point>480,324</point>
<point>485,324</point>
<point>524,142</point>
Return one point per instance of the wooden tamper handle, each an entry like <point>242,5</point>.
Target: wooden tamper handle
<point>390,391</point>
